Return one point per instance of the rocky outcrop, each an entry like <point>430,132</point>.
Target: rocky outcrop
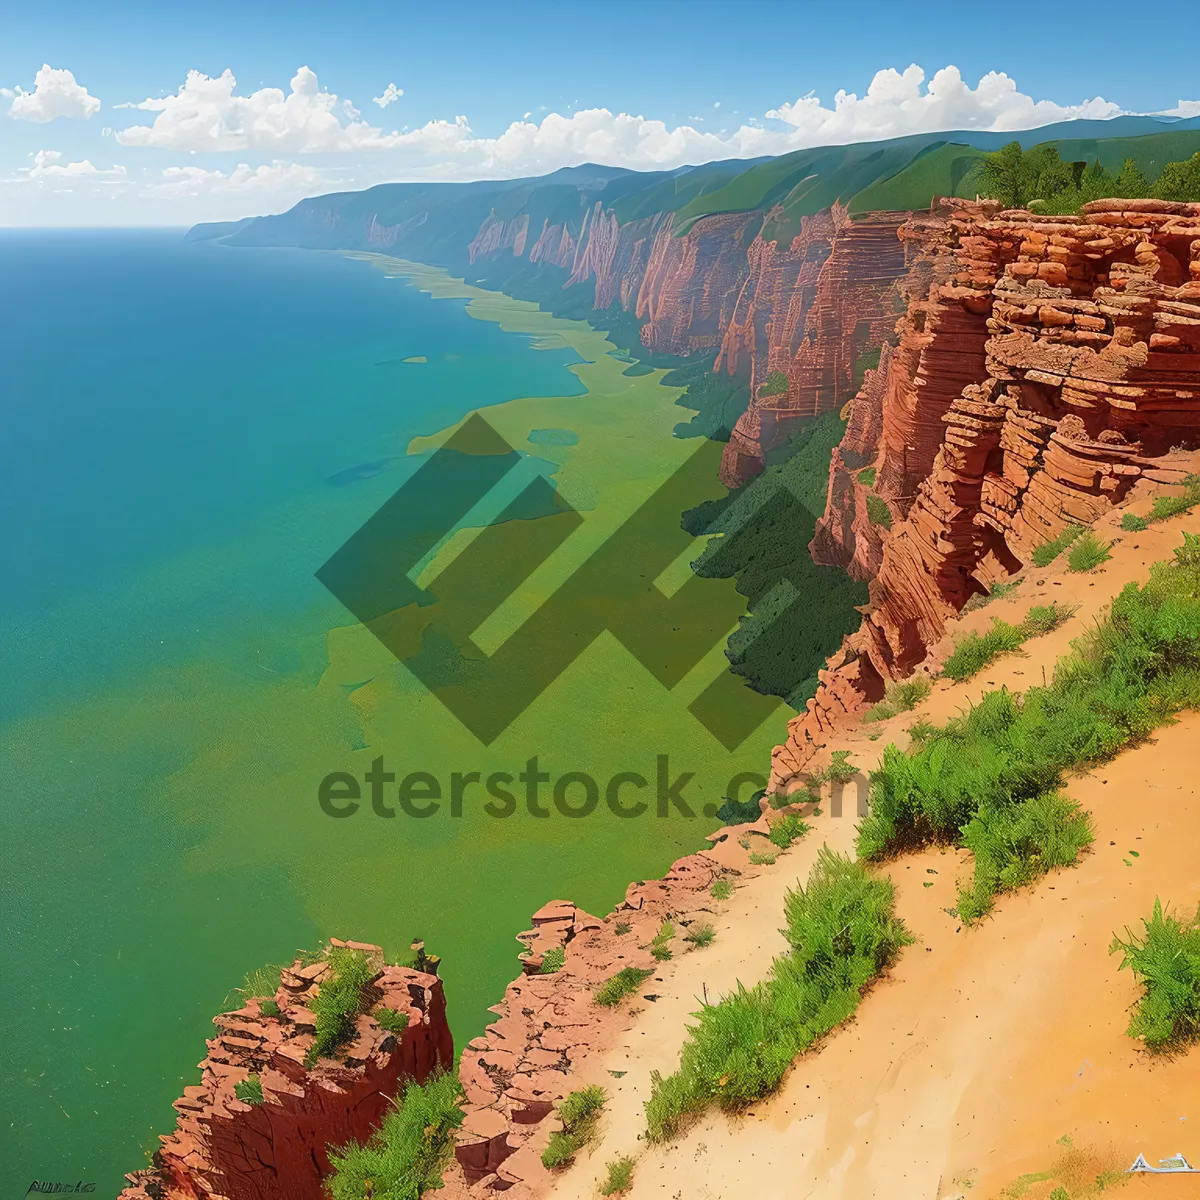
<point>548,1025</point>
<point>1045,365</point>
<point>224,1148</point>
<point>811,312</point>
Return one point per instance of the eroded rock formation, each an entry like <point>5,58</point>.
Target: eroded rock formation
<point>1044,366</point>
<point>547,1026</point>
<point>278,1150</point>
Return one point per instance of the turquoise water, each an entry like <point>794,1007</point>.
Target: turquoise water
<point>189,431</point>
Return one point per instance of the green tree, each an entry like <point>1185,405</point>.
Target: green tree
<point>1180,180</point>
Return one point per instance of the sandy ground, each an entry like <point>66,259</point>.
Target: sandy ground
<point>987,1053</point>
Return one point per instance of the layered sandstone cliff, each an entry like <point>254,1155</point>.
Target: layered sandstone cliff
<point>1045,366</point>
<point>225,1149</point>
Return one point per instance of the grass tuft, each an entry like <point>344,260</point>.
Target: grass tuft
<point>1047,552</point>
<point>878,512</point>
<point>721,890</point>
<point>1166,959</point>
<point>340,997</point>
<point>553,961</point>
<point>391,1020</point>
<point>660,948</point>
<point>1088,553</point>
<point>843,932</point>
<point>579,1113</point>
<point>624,983</point>
<point>700,935</point>
<point>619,1178</point>
<point>903,695</point>
<point>978,650</point>
<point>787,830</point>
<point>406,1155</point>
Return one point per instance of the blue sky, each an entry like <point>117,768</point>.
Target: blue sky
<point>711,79</point>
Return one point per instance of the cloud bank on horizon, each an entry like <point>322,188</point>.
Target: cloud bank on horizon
<point>206,115</point>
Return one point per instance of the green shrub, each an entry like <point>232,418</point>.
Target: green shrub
<point>579,1113</point>
<point>762,858</point>
<point>622,928</point>
<point>405,1157</point>
<point>553,961</point>
<point>249,1090</point>
<point>786,830</point>
<point>339,999</point>
<point>1088,553</point>
<point>843,932</point>
<point>867,477</point>
<point>1166,959</point>
<point>1134,524</point>
<point>1047,552</point>
<point>989,779</point>
<point>261,983</point>
<point>391,1020</point>
<point>700,935</point>
<point>878,511</point>
<point>268,1008</point>
<point>721,890</point>
<point>624,983</point>
<point>619,1178</point>
<point>840,770</point>
<point>902,695</point>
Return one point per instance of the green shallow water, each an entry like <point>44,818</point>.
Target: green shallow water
<point>176,716</point>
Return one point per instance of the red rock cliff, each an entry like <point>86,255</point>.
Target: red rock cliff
<point>812,312</point>
<point>277,1150</point>
<point>1045,365</point>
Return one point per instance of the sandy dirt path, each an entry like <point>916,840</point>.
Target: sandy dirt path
<point>984,1047</point>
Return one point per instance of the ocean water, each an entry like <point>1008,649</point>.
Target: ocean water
<point>189,431</point>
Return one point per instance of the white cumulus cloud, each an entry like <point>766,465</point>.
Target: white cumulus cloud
<point>898,103</point>
<point>391,94</point>
<point>206,115</point>
<point>1185,108</point>
<point>55,94</point>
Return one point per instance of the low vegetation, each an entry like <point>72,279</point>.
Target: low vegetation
<point>624,983</point>
<point>580,1114</point>
<point>878,511</point>
<point>249,1090</point>
<point>978,650</point>
<point>721,890</point>
<point>660,947</point>
<point>762,858</point>
<point>1165,507</point>
<point>843,932</point>
<point>901,696</point>
<point>866,477</point>
<point>1047,552</point>
<point>700,936</point>
<point>619,1178</point>
<point>340,997</point>
<point>1038,179</point>
<point>553,961</point>
<point>1088,553</point>
<point>391,1020</point>
<point>268,1008</point>
<point>405,1157</point>
<point>787,829</point>
<point>740,812</point>
<point>1166,960</point>
<point>989,780</point>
